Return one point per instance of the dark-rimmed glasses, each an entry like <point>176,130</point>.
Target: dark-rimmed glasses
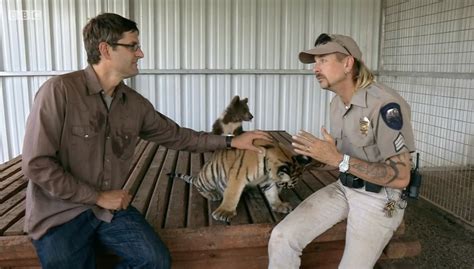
<point>133,47</point>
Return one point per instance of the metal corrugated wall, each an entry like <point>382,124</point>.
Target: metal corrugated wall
<point>252,36</point>
<point>427,55</point>
<point>198,54</point>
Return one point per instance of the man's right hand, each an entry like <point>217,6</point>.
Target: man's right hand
<point>245,140</point>
<point>114,199</point>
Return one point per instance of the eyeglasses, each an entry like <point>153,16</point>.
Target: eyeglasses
<point>325,38</point>
<point>132,47</point>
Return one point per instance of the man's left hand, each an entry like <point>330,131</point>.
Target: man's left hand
<point>245,140</point>
<point>323,150</point>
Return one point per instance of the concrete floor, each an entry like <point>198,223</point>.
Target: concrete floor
<point>445,242</point>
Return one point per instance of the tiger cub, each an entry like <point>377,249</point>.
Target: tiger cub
<point>226,174</point>
<point>230,122</point>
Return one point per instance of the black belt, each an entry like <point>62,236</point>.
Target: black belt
<point>352,181</point>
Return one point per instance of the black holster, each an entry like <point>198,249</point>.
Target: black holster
<point>352,181</point>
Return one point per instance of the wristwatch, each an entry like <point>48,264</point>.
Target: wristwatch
<point>344,164</point>
<point>228,141</point>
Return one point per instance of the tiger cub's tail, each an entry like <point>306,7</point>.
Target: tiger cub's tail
<point>205,188</point>
<point>187,178</point>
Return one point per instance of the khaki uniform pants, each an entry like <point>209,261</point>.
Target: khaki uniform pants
<point>368,228</point>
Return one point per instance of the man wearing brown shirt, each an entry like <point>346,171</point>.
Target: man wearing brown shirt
<point>79,140</point>
<point>370,140</point>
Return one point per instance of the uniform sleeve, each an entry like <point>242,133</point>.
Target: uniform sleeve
<point>41,144</point>
<point>158,128</point>
<point>394,131</point>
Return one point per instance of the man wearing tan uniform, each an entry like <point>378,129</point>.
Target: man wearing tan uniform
<point>370,141</point>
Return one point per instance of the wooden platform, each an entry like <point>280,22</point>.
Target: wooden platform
<point>182,217</point>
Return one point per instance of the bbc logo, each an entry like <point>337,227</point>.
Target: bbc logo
<point>24,15</point>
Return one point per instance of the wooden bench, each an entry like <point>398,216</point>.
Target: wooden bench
<point>182,217</point>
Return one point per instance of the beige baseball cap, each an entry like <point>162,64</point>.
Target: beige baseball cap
<point>331,44</point>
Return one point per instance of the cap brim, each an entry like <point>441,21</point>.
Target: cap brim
<point>307,56</point>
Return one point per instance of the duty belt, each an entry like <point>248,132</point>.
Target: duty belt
<point>352,181</point>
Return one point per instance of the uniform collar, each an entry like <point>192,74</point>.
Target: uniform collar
<point>94,87</point>
<point>360,98</point>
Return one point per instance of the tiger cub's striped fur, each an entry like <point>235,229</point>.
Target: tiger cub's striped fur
<point>226,174</point>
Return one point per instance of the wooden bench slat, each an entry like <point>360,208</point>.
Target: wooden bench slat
<point>281,136</point>
<point>242,213</point>
<point>176,213</point>
<point>11,202</point>
<point>313,183</point>
<point>16,228</point>
<point>140,169</point>
<point>12,216</point>
<point>7,173</point>
<point>285,135</point>
<point>10,179</point>
<point>9,163</point>
<point>140,147</point>
<point>12,189</point>
<point>249,258</point>
<point>257,206</point>
<point>197,208</point>
<point>324,255</point>
<point>159,201</point>
<point>144,192</point>
<point>16,250</point>
<point>216,237</point>
<point>324,177</point>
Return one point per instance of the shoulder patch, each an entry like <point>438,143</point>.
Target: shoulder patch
<point>392,116</point>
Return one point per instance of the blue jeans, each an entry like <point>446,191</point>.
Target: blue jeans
<point>128,235</point>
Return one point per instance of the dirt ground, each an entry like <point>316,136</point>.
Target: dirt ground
<point>445,242</point>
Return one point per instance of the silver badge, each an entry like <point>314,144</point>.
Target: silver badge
<point>364,124</point>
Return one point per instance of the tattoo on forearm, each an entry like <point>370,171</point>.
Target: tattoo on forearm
<point>385,173</point>
<point>394,167</point>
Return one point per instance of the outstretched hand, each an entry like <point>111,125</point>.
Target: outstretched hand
<point>323,150</point>
<point>245,140</point>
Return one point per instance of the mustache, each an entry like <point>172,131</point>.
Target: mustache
<point>320,76</point>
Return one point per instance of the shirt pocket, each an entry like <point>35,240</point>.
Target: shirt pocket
<point>124,143</point>
<point>84,142</point>
<point>86,133</point>
<point>365,146</point>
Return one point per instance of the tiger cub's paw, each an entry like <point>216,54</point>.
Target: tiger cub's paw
<point>282,207</point>
<point>223,215</point>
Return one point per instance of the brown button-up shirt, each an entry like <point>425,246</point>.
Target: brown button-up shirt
<point>75,146</point>
<point>360,129</point>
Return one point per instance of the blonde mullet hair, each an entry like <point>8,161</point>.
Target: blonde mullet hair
<point>361,74</point>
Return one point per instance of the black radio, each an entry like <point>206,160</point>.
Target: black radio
<point>413,188</point>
